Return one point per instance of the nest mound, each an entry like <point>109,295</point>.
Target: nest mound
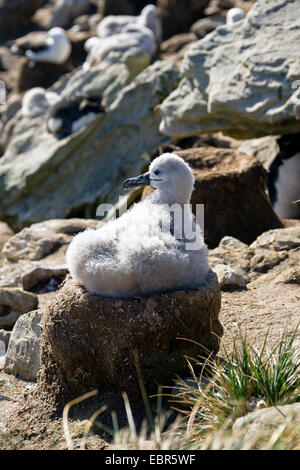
<point>90,341</point>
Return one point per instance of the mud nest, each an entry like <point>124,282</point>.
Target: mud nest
<point>90,341</point>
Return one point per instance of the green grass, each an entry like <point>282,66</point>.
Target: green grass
<point>244,379</point>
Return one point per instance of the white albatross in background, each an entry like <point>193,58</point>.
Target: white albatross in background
<point>37,102</point>
<point>234,15</point>
<point>132,36</point>
<point>56,48</point>
<point>114,24</point>
<point>145,251</point>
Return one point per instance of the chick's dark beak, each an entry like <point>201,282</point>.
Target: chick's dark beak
<point>142,180</point>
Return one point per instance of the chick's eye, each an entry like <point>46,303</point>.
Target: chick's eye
<point>156,172</point>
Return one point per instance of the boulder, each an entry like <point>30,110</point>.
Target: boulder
<point>23,355</point>
<point>13,303</point>
<point>42,177</point>
<point>177,16</point>
<point>231,185</point>
<point>89,341</point>
<point>15,15</point>
<point>229,276</point>
<point>240,79</point>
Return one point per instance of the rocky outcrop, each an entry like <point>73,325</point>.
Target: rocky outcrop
<point>23,355</point>
<point>240,79</point>
<point>42,177</point>
<point>90,341</point>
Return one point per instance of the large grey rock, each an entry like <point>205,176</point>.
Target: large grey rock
<point>43,178</point>
<point>240,79</point>
<point>23,355</point>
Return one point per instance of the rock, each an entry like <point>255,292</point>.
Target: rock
<point>176,43</point>
<point>265,149</point>
<point>231,185</point>
<point>5,336</point>
<point>177,16</point>
<point>33,243</point>
<point>8,111</point>
<point>5,234</point>
<point>66,11</point>
<point>2,354</point>
<point>279,240</point>
<point>175,47</point>
<point>263,422</point>
<point>23,354</point>
<point>229,276</point>
<point>264,260</point>
<point>117,7</point>
<point>238,103</point>
<point>35,258</point>
<point>90,164</point>
<point>13,303</point>
<point>232,243</point>
<point>289,276</point>
<point>89,341</point>
<point>15,15</point>
<point>277,267</point>
<point>233,253</point>
<point>206,25</point>
<point>41,74</point>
